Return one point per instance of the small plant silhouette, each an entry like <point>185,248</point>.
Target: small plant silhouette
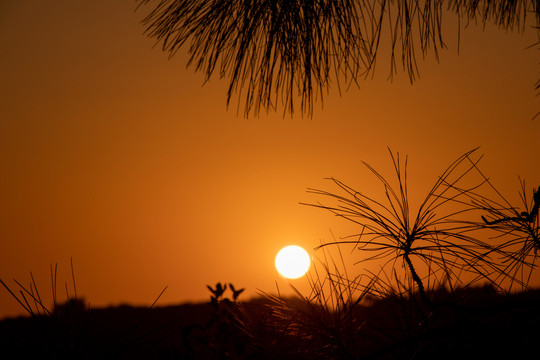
<point>435,236</point>
<point>514,234</point>
<point>62,327</point>
<point>221,337</point>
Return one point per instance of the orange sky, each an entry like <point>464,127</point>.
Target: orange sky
<point>118,157</point>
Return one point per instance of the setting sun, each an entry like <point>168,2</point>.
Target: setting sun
<point>292,262</point>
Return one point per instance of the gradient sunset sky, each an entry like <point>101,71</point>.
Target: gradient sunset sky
<point>116,156</point>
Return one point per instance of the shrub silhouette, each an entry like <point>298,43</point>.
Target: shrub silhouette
<point>436,235</point>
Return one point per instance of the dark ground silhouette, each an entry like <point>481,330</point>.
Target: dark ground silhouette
<point>476,322</point>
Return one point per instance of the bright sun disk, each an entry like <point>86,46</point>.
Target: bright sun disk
<point>292,262</point>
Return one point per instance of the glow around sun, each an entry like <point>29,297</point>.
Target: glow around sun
<point>292,262</point>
